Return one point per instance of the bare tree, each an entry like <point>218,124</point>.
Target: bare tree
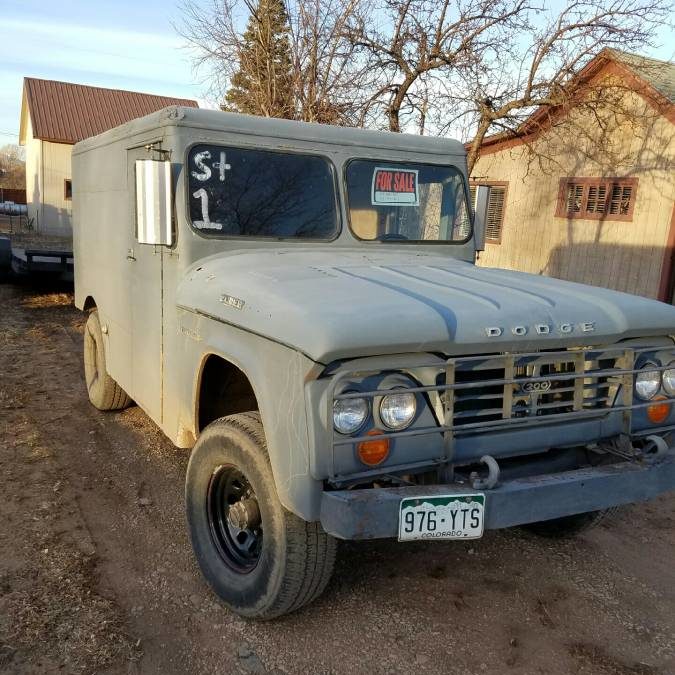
<point>331,77</point>
<point>415,43</point>
<point>327,77</point>
<point>472,68</point>
<point>12,167</point>
<point>542,67</point>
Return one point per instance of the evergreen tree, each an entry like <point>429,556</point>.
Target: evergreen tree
<point>263,83</point>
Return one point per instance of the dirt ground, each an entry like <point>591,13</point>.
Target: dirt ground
<point>97,575</point>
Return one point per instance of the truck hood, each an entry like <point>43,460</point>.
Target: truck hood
<point>334,303</point>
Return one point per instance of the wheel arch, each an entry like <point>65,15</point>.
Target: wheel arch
<point>222,387</point>
<point>89,304</point>
<point>286,434</point>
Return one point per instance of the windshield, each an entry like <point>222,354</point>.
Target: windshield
<point>260,193</point>
<point>395,201</point>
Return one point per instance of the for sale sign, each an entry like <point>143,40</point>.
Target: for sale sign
<point>394,187</point>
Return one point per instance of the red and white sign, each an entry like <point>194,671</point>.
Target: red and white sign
<point>394,187</point>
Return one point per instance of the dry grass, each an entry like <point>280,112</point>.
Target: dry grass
<point>35,240</point>
<point>53,605</point>
<point>11,399</point>
<point>47,300</point>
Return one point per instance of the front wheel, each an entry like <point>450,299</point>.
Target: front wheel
<point>262,560</point>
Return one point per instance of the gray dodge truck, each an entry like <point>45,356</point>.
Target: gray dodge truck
<point>300,306</point>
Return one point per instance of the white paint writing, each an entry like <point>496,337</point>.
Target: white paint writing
<point>205,223</point>
<point>205,170</point>
<point>222,166</point>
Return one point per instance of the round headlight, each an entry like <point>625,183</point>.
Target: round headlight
<point>669,379</point>
<point>647,382</point>
<point>349,414</point>
<point>398,410</point>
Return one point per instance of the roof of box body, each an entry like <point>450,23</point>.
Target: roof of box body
<point>214,120</point>
<point>65,112</point>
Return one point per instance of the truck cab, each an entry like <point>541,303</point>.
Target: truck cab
<point>299,306</point>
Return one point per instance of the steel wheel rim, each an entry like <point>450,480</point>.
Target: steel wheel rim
<point>240,549</point>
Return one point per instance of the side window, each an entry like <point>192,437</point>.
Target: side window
<point>68,189</point>
<point>495,211</point>
<point>597,198</point>
<point>241,192</point>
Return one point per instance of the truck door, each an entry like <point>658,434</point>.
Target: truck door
<point>144,259</point>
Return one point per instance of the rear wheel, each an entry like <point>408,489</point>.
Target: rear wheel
<point>262,560</point>
<point>569,526</point>
<point>104,392</point>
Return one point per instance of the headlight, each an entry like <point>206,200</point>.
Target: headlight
<point>669,379</point>
<point>349,414</point>
<point>647,382</point>
<point>398,410</point>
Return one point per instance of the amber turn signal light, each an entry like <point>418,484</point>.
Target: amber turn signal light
<point>375,452</point>
<point>658,412</point>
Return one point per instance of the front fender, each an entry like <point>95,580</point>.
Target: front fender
<point>277,375</point>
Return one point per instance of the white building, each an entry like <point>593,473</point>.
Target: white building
<point>55,116</point>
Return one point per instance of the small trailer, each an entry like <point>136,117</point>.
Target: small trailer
<point>56,264</point>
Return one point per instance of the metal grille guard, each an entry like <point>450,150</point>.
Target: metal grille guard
<point>620,376</point>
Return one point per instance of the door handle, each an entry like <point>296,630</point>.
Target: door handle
<point>130,254</point>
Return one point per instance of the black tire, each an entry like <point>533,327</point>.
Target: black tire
<point>569,526</point>
<point>104,392</point>
<point>5,257</point>
<point>286,562</point>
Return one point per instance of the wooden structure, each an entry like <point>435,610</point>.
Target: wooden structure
<point>589,195</point>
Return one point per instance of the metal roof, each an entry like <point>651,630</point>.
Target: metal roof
<point>64,112</point>
<point>659,74</point>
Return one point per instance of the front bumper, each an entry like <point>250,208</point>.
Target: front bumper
<point>373,513</point>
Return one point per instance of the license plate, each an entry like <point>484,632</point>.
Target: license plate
<point>441,517</point>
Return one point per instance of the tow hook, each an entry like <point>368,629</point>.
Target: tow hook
<point>491,480</point>
<point>652,449</point>
<point>620,446</point>
<point>655,447</point>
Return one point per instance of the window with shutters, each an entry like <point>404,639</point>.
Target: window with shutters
<point>495,209</point>
<point>597,198</point>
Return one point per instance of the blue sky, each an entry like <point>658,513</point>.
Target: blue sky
<point>120,44</point>
<point>126,44</point>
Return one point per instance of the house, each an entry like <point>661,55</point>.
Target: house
<point>55,116</point>
<point>587,193</point>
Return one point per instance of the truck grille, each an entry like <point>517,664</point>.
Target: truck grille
<point>483,394</point>
<point>518,388</point>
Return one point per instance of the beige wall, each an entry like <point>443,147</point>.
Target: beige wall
<point>626,256</point>
<point>56,210</point>
<point>47,166</point>
<point>33,174</point>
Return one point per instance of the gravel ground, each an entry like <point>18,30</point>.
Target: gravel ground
<point>96,572</point>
